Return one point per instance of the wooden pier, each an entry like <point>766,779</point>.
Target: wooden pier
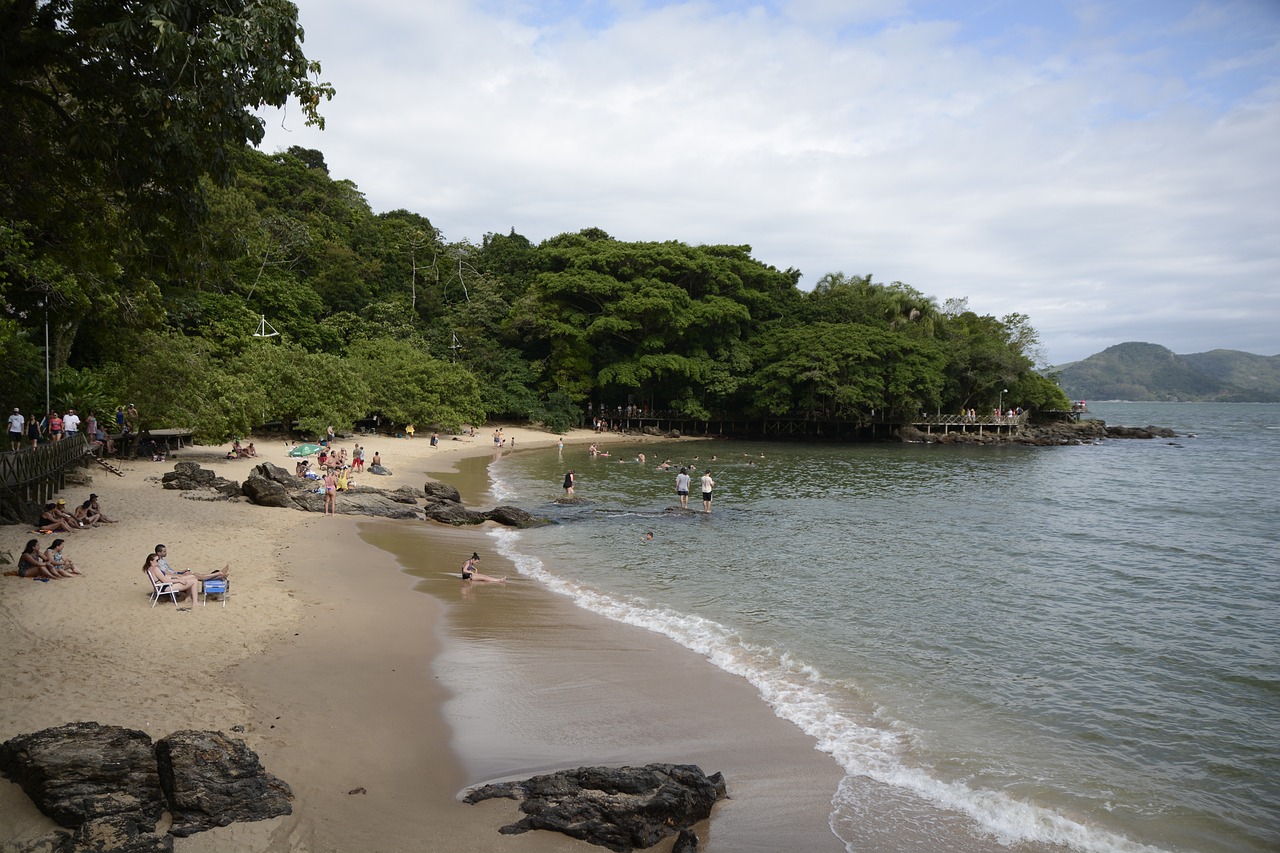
<point>877,428</point>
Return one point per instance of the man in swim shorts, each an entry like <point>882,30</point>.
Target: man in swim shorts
<point>682,487</point>
<point>707,485</point>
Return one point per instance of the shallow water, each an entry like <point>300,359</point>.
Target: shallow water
<point>1001,646</point>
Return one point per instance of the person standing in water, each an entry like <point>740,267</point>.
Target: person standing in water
<point>682,487</point>
<point>569,480</point>
<point>469,572</point>
<point>707,485</point>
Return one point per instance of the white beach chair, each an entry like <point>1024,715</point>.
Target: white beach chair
<point>159,589</point>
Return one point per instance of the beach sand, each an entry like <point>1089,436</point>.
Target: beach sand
<point>344,676</point>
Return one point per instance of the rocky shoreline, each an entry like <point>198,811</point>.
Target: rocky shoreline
<point>1039,435</point>
<point>271,485</point>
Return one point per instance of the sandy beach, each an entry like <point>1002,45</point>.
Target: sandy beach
<point>352,661</point>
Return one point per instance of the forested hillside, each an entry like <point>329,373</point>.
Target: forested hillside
<point>1141,371</point>
<point>142,225</point>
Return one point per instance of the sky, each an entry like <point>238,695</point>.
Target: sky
<point>1110,169</point>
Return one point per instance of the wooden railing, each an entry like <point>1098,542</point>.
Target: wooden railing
<point>30,478</point>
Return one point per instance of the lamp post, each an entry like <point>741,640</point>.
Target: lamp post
<point>1000,406</point>
<point>45,304</point>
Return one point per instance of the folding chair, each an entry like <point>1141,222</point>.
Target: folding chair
<point>213,586</point>
<point>159,589</point>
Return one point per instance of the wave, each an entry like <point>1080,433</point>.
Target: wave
<point>876,748</point>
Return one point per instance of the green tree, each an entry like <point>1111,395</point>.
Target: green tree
<point>409,386</point>
<point>113,113</point>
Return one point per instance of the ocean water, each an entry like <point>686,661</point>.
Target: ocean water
<point>1003,647</point>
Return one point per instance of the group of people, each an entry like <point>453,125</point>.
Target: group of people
<point>186,583</point>
<point>56,518</point>
<point>49,564</point>
<point>683,480</point>
<point>29,431</point>
<point>53,426</point>
<point>238,451</point>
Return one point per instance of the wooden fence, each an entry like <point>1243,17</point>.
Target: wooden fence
<point>30,478</point>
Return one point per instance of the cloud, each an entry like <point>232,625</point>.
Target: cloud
<point>1065,166</point>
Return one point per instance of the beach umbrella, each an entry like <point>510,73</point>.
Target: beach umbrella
<point>305,450</point>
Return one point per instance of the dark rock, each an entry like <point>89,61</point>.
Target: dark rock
<point>514,516</point>
<point>618,808</point>
<point>275,473</point>
<point>455,514</point>
<point>117,834</point>
<point>1140,432</point>
<point>365,501</point>
<point>380,470</point>
<point>82,771</point>
<point>675,433</point>
<point>189,476</point>
<point>213,780</point>
<point>266,492</point>
<point>441,492</point>
<point>269,485</point>
<point>686,842</point>
<point>402,495</point>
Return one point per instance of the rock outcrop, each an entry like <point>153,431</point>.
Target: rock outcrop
<point>271,485</point>
<point>444,504</point>
<point>620,808</point>
<point>189,476</point>
<point>82,771</point>
<point>212,780</point>
<point>111,784</point>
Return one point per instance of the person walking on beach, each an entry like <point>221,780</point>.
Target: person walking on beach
<point>569,480</point>
<point>707,485</point>
<point>682,487</point>
<point>469,572</point>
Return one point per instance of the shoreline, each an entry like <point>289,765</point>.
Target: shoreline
<point>344,678</point>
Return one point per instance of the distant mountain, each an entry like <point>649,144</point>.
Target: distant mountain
<point>1138,371</point>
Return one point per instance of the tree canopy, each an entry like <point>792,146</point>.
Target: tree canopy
<point>139,219</point>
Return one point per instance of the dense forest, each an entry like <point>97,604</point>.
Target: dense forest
<point>142,231</point>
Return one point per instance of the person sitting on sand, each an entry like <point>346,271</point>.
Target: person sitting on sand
<point>97,510</point>
<point>85,515</point>
<point>56,561</point>
<point>32,565</point>
<point>469,572</point>
<point>162,563</point>
<point>249,451</point>
<point>57,522</point>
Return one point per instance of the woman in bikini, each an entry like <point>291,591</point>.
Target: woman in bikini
<point>330,494</point>
<point>469,572</point>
